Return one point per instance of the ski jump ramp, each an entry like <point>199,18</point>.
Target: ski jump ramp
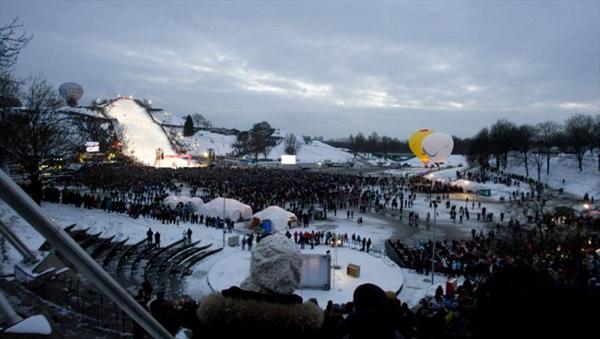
<point>141,136</point>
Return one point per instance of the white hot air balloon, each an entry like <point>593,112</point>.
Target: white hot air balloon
<point>71,92</point>
<point>438,147</point>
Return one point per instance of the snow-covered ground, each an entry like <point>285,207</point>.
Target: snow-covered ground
<point>564,167</point>
<point>314,152</point>
<point>234,269</point>
<point>372,264</point>
<point>141,135</point>
<point>201,141</point>
<point>447,171</point>
<point>454,160</point>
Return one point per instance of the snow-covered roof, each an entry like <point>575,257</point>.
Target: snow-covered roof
<point>232,209</point>
<point>173,200</point>
<point>37,324</point>
<point>278,216</point>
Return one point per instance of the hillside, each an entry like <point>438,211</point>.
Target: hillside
<point>201,141</point>
<point>141,135</point>
<point>564,167</point>
<point>314,152</point>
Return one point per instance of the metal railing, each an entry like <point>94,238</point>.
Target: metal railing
<point>19,201</point>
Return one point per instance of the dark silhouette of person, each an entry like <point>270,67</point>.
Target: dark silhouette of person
<point>147,288</point>
<point>138,331</point>
<point>371,316</point>
<point>157,239</point>
<point>149,234</point>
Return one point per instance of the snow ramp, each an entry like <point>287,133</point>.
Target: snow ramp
<point>142,137</point>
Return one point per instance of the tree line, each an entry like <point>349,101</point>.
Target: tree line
<point>535,144</point>
<point>384,144</point>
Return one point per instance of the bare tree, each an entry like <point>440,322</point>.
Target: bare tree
<point>524,134</point>
<point>200,121</point>
<point>38,139</point>
<point>536,153</point>
<point>11,44</point>
<point>502,140</point>
<point>579,133</point>
<point>292,144</point>
<point>548,136</point>
<point>242,146</point>
<point>480,149</point>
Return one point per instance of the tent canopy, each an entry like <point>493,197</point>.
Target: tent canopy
<point>234,209</point>
<point>278,216</point>
<point>194,202</point>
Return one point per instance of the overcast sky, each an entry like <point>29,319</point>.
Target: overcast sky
<point>326,69</point>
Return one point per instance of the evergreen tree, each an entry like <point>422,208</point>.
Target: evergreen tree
<point>188,127</point>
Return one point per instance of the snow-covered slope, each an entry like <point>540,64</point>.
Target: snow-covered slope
<point>564,166</point>
<point>314,152</point>
<point>142,136</point>
<point>222,145</point>
<point>203,140</point>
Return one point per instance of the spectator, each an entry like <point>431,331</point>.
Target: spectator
<point>371,316</point>
<point>264,305</point>
<point>157,239</point>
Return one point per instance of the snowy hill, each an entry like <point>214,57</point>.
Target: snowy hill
<point>222,144</point>
<point>141,135</point>
<point>564,166</point>
<point>314,152</point>
<point>201,141</point>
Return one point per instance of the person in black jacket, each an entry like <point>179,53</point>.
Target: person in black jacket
<point>371,316</point>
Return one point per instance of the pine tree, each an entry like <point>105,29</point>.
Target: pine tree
<point>188,127</point>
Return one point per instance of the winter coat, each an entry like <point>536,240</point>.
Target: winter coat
<point>236,313</point>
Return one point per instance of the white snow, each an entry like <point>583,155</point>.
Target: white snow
<point>37,324</point>
<point>141,135</point>
<point>454,160</point>
<point>278,216</point>
<point>564,166</point>
<point>314,152</point>
<point>201,141</point>
<point>387,275</point>
<point>497,191</point>
<point>233,269</point>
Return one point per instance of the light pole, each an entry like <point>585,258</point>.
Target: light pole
<point>223,219</point>
<point>433,247</point>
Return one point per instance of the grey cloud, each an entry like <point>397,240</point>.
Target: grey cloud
<point>329,68</point>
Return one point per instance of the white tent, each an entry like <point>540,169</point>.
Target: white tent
<point>173,200</point>
<point>234,209</point>
<point>278,216</point>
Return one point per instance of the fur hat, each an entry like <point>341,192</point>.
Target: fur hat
<point>275,266</point>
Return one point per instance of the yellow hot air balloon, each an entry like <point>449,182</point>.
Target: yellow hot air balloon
<point>414,142</point>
